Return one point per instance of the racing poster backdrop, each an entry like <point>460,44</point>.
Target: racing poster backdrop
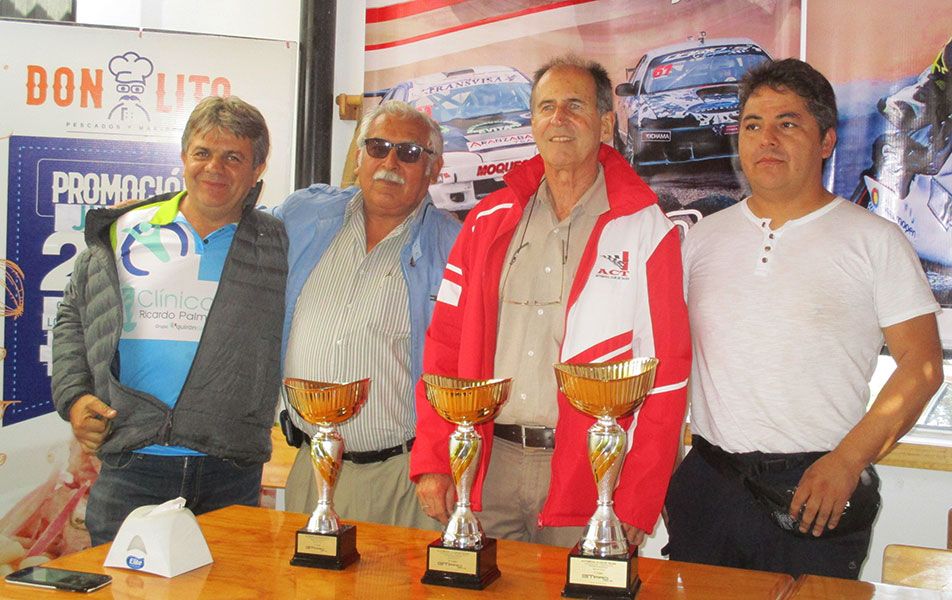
<point>92,117</point>
<point>890,70</point>
<point>676,66</point>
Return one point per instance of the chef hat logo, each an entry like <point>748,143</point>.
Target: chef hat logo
<point>130,68</point>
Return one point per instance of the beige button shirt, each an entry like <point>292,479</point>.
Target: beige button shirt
<point>540,266</point>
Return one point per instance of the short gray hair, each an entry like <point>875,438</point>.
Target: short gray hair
<point>401,110</point>
<point>603,83</point>
<point>234,115</point>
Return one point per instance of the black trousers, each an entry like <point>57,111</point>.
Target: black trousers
<point>715,520</point>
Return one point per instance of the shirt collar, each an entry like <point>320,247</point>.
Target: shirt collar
<point>168,209</point>
<point>594,200</point>
<point>169,212</point>
<point>354,217</point>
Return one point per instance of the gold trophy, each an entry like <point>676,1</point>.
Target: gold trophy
<point>464,556</point>
<point>603,564</point>
<point>325,542</point>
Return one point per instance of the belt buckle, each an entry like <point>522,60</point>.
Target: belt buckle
<point>522,430</point>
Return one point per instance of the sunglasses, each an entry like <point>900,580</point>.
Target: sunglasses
<point>407,152</point>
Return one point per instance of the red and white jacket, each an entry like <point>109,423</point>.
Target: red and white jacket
<point>626,300</point>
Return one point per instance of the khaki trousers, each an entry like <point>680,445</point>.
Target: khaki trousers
<point>514,492</point>
<point>377,492</point>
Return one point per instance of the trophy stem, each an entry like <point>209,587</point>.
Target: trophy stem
<point>327,447</point>
<point>463,529</point>
<point>603,535</point>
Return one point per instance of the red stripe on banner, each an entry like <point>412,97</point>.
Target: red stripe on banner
<point>407,9</point>
<point>462,26</point>
<point>602,348</point>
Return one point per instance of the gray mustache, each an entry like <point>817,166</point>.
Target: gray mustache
<point>385,175</point>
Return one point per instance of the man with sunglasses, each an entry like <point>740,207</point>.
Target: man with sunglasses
<point>365,265</point>
<point>572,262</point>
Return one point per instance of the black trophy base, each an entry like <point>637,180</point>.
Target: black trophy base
<point>326,550</point>
<point>455,567</point>
<point>602,578</point>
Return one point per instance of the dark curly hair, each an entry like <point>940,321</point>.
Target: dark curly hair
<point>800,78</point>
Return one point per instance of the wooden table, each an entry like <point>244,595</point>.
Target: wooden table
<point>814,587</point>
<point>252,547</point>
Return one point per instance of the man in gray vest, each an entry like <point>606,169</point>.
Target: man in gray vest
<point>166,344</point>
<point>365,266</point>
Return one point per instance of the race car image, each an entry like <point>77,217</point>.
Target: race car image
<point>484,114</point>
<point>680,102</point>
<point>910,180</point>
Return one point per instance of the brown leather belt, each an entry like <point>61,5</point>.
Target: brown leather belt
<point>528,437</point>
<point>375,456</point>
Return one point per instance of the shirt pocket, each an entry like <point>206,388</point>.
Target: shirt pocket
<point>389,313</point>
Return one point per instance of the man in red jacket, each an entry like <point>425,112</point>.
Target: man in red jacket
<point>572,262</point>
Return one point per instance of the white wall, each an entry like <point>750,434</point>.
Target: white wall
<point>348,75</point>
<point>245,18</point>
<point>279,20</point>
<point>916,504</point>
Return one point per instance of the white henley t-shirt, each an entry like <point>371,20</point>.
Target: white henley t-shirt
<point>787,323</point>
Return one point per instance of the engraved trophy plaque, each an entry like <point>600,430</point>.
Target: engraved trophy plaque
<point>464,556</point>
<point>325,542</point>
<point>603,564</point>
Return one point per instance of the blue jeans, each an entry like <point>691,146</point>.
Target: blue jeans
<point>129,480</point>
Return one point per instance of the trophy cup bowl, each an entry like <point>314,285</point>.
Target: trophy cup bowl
<point>605,391</point>
<point>324,542</point>
<point>466,401</point>
<point>463,556</point>
<point>323,403</point>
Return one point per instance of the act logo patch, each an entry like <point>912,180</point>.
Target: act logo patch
<point>613,266</point>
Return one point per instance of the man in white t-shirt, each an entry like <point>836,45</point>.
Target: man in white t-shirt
<point>791,294</point>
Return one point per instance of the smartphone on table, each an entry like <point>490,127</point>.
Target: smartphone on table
<point>59,579</point>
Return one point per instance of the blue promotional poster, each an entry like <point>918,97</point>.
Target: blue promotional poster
<point>53,183</point>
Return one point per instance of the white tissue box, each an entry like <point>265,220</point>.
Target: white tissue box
<point>164,539</point>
